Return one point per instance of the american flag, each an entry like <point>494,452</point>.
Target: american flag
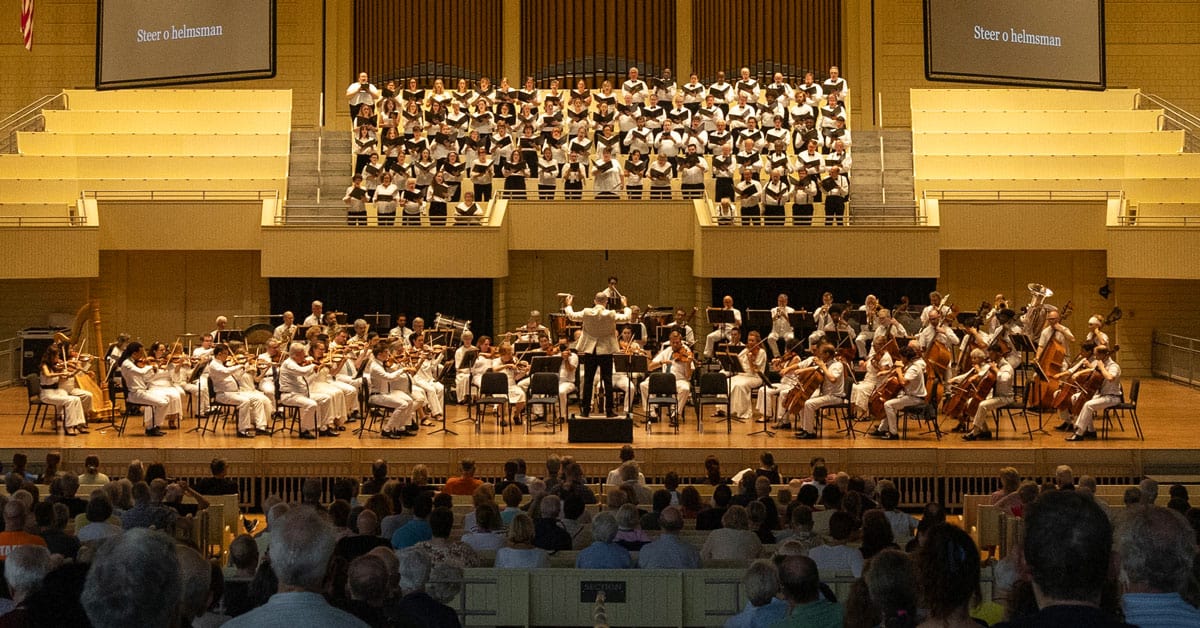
<point>27,23</point>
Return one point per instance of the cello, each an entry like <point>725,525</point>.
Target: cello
<point>888,390</point>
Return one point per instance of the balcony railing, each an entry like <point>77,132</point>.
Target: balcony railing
<point>1176,358</point>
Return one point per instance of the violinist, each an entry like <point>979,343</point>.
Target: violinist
<point>272,358</point>
<point>350,375</point>
<point>681,324</point>
<point>156,405</point>
<point>463,364</point>
<point>879,363</point>
<point>325,381</point>
<point>508,364</point>
<point>832,391</point>
<point>426,378</point>
<point>566,374</point>
<point>781,326</point>
<point>675,358</point>
<point>384,381</point>
<point>224,375</point>
<point>295,374</point>
<point>1001,395</point>
<point>53,372</point>
<point>1108,395</point>
<point>754,362</point>
<point>484,358</point>
<point>913,392</point>
<point>1096,333</point>
<point>163,379</point>
<point>622,381</point>
<point>77,363</point>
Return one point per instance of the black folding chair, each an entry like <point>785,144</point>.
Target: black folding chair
<point>493,391</point>
<point>712,391</point>
<point>543,392</point>
<point>38,409</point>
<point>1126,407</point>
<point>927,413</point>
<point>662,393</point>
<point>841,412</point>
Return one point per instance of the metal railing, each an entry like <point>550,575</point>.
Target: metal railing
<point>10,362</point>
<point>179,195</point>
<point>1135,220</point>
<point>29,119</point>
<point>1173,118</point>
<point>69,219</point>
<point>1176,358</point>
<point>1023,195</point>
<point>301,214</point>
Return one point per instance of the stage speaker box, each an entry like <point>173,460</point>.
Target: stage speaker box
<point>599,430</point>
<point>34,342</point>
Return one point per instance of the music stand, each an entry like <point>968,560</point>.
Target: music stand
<point>378,321</point>
<point>439,337</point>
<point>545,364</point>
<point>632,366</point>
<point>840,339</point>
<point>229,335</point>
<point>614,303</point>
<point>855,318</point>
<point>1044,377</point>
<point>720,316</point>
<point>803,324</point>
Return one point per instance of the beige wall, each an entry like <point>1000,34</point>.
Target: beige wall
<point>1166,305</point>
<point>33,302</point>
<point>64,52</point>
<point>1154,46</point>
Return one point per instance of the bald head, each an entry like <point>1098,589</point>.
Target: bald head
<point>368,522</point>
<point>799,578</point>
<point>670,519</point>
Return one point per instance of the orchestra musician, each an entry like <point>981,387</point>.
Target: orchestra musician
<point>979,366</point>
<point>1096,333</point>
<point>781,326</point>
<point>821,318</point>
<point>836,326</point>
<point>887,325</point>
<point>295,375</point>
<point>721,330</point>
<point>74,360</point>
<point>1054,330</point>
<point>483,361</point>
<point>221,332</point>
<point>163,379</point>
<point>935,305</point>
<point>286,331</point>
<point>383,377</point>
<point>788,366</point>
<point>754,362</point>
<point>999,303</point>
<point>463,364</point>
<point>317,315</point>
<point>356,356</point>
<point>913,392</point>
<point>1108,395</point>
<point>401,330</point>
<point>224,374</point>
<point>53,373</point>
<point>1004,327</point>
<point>597,343</point>
<point>878,363</point>
<point>508,364</point>
<point>272,357</point>
<point>938,330</point>
<point>673,358</point>
<point>343,397</point>
<point>832,391</point>
<point>680,324</point>
<point>867,331</point>
<point>156,404</point>
<point>533,328</point>
<point>428,371</point>
<point>621,380</point>
<point>1001,395</point>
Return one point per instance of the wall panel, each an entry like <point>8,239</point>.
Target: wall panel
<point>595,40</point>
<point>767,36</point>
<point>425,40</point>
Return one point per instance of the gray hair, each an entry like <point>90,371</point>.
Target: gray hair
<point>367,578</point>
<point>1156,547</point>
<point>628,517</point>
<point>301,544</point>
<point>277,511</point>
<point>414,569</point>
<point>604,527</point>
<point>195,577</point>
<point>628,471</point>
<point>134,581</point>
<point>1149,489</point>
<point>551,507</point>
<point>26,567</point>
<point>445,582</point>
<point>761,582</point>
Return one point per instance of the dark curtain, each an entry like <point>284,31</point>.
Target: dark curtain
<point>469,299</point>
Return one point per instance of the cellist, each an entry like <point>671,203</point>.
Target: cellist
<point>879,362</point>
<point>936,330</point>
<point>913,393</point>
<point>1054,331</point>
<point>979,365</point>
<point>788,366</point>
<point>1108,395</point>
<point>1001,395</point>
<point>832,391</point>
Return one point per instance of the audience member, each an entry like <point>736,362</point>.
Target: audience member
<point>948,574</point>
<point>464,484</point>
<point>512,496</point>
<point>734,540</point>
<point>800,581</point>
<point>603,553</point>
<point>417,607</point>
<point>660,499</point>
<point>668,551</point>
<point>134,581</point>
<point>614,476</point>
<point>1156,551</point>
<point>710,518</point>
<point>520,551</point>
<point>1068,541</point>
<point>51,520</point>
<point>148,511</point>
<point>489,533</point>
<point>218,483</point>
<point>835,555</point>
<point>91,472</point>
<point>891,593</point>
<point>25,567</point>
<point>16,515</point>
<point>876,534</point>
<point>760,584</point>
<point>417,529</point>
<point>801,530</point>
<point>379,477</point>
<point>481,495</point>
<point>367,590</point>
<point>629,529</point>
<point>511,470</point>
<point>99,516</point>
<point>301,547</point>
<point>195,579</point>
<point>352,546</point>
<point>768,469</point>
<point>440,548</point>
<point>575,524</point>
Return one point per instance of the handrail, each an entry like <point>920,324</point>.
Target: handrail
<point>1176,358</point>
<point>179,195</point>
<point>10,362</point>
<point>335,215</point>
<point>28,118</point>
<point>31,107</point>
<point>1186,121</point>
<point>67,220</point>
<point>1022,195</point>
<point>1127,220</point>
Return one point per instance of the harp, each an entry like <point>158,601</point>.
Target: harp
<point>85,335</point>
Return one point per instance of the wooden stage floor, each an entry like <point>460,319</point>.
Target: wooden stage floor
<point>1167,415</point>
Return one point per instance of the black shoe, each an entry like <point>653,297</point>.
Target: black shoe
<point>786,425</point>
<point>245,435</point>
<point>341,428</point>
<point>308,436</point>
<point>70,432</point>
<point>609,414</point>
<point>262,432</point>
<point>803,435</point>
<point>388,435</point>
<point>82,429</point>
<point>1089,435</point>
<point>411,430</point>
<point>889,436</point>
<point>330,433</point>
<point>877,433</point>
<point>1075,438</point>
<point>985,435</point>
<point>971,436</point>
<point>720,414</point>
<point>154,431</point>
<point>1065,426</point>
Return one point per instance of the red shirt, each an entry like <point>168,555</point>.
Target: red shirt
<point>9,540</point>
<point>461,486</point>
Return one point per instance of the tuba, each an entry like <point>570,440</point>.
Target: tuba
<point>1035,312</point>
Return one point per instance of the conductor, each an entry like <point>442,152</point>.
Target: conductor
<point>596,346</point>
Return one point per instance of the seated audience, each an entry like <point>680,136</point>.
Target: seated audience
<point>763,607</point>
<point>734,540</point>
<point>1156,552</point>
<point>800,581</point>
<point>835,555</point>
<point>603,553</point>
<point>417,607</point>
<point>135,581</point>
<point>520,551</point>
<point>440,548</point>
<point>668,551</point>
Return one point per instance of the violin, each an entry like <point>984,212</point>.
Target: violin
<point>683,354</point>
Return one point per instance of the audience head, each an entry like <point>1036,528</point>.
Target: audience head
<point>841,526</point>
<point>808,495</point>
<point>722,495</point>
<point>302,542</point>
<point>660,499</point>
<point>520,530</point>
<point>1067,546</point>
<point>628,471</point>
<point>1010,479</point>
<point>1149,489</point>
<point>628,517</point>
<point>573,507</point>
<point>736,518</point>
<point>948,569</point>
<point>892,587</point>
<point>243,553</point>
<point>445,582</point>
<point>549,507</point>
<point>876,531</point>
<point>799,579</point>
<point>604,527</point>
<point>487,518</point>
<point>414,569</point>
<point>15,515</point>
<point>367,579</point>
<point>761,582</point>
<point>134,581</point>
<point>195,576</point>
<point>24,569</point>
<point>99,508</point>
<point>1132,496</point>
<point>1064,476</point>
<point>670,519</point>
<point>511,495</point>
<point>1156,548</point>
<point>441,522</point>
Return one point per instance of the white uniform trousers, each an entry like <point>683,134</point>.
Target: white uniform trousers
<point>893,407</point>
<point>70,405</point>
<point>986,408</point>
<point>711,340</point>
<point>1087,416</point>
<point>773,338</point>
<point>354,383</point>
<point>337,402</point>
<point>740,388</point>
<point>620,382</point>
<point>403,410</point>
<point>435,395</point>
<point>251,406</point>
<point>774,396</point>
<point>313,408</point>
<point>84,396</point>
<point>157,405</point>
<point>809,414</point>
<point>863,342</point>
<point>860,393</point>
<point>683,391</point>
<point>462,385</point>
<point>172,391</point>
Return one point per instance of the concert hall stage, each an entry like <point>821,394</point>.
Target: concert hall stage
<point>926,468</point>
